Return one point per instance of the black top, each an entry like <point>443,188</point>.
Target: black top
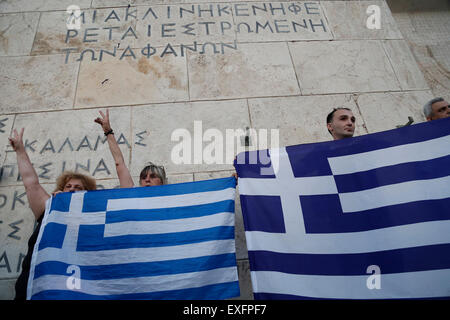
<point>22,281</point>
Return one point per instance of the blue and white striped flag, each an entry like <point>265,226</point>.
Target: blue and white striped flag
<point>165,242</point>
<point>360,218</point>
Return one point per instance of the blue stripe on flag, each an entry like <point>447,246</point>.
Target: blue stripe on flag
<point>90,238</point>
<point>263,213</point>
<point>61,202</point>
<point>279,296</point>
<point>312,159</point>
<point>323,214</point>
<point>170,213</point>
<point>419,170</point>
<point>53,236</point>
<point>95,201</point>
<point>218,291</point>
<point>254,161</point>
<point>139,269</point>
<point>433,257</point>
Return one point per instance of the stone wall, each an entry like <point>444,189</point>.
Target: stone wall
<point>161,65</point>
<point>425,26</point>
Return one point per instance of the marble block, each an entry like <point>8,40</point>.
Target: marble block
<point>7,291</point>
<point>427,33</point>
<point>342,67</point>
<point>280,21</point>
<point>164,134</point>
<point>36,83</point>
<point>253,70</point>
<point>17,225</point>
<point>433,67</point>
<point>117,3</point>
<point>348,20</point>
<point>405,66</point>
<point>300,119</point>
<point>68,140</point>
<point>17,32</point>
<point>6,123</point>
<point>99,28</point>
<point>132,80</point>
<point>184,24</point>
<point>113,183</point>
<point>179,178</point>
<point>110,3</point>
<point>40,5</point>
<point>385,111</point>
<point>245,281</point>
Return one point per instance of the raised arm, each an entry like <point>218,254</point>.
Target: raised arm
<point>122,171</point>
<point>36,194</point>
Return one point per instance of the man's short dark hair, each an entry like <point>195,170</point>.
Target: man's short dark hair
<point>331,114</point>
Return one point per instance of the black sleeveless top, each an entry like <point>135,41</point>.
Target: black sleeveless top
<point>22,281</point>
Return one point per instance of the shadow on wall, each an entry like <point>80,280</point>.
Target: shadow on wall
<point>418,5</point>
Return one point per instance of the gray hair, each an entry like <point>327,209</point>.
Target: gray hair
<point>152,168</point>
<point>427,110</point>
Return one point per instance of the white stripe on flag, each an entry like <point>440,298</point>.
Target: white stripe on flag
<point>179,200</point>
<point>419,151</point>
<point>141,284</point>
<point>169,226</point>
<point>398,193</point>
<point>421,284</point>
<point>91,218</point>
<point>300,186</point>
<point>405,236</point>
<point>119,256</point>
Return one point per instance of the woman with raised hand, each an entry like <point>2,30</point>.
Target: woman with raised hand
<point>37,196</point>
<point>151,175</point>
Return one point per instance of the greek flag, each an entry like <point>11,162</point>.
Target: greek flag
<point>360,218</point>
<point>164,242</point>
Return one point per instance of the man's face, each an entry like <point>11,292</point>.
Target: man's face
<point>343,124</point>
<point>440,110</point>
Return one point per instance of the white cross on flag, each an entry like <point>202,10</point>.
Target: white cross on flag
<point>164,242</point>
<point>360,218</point>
